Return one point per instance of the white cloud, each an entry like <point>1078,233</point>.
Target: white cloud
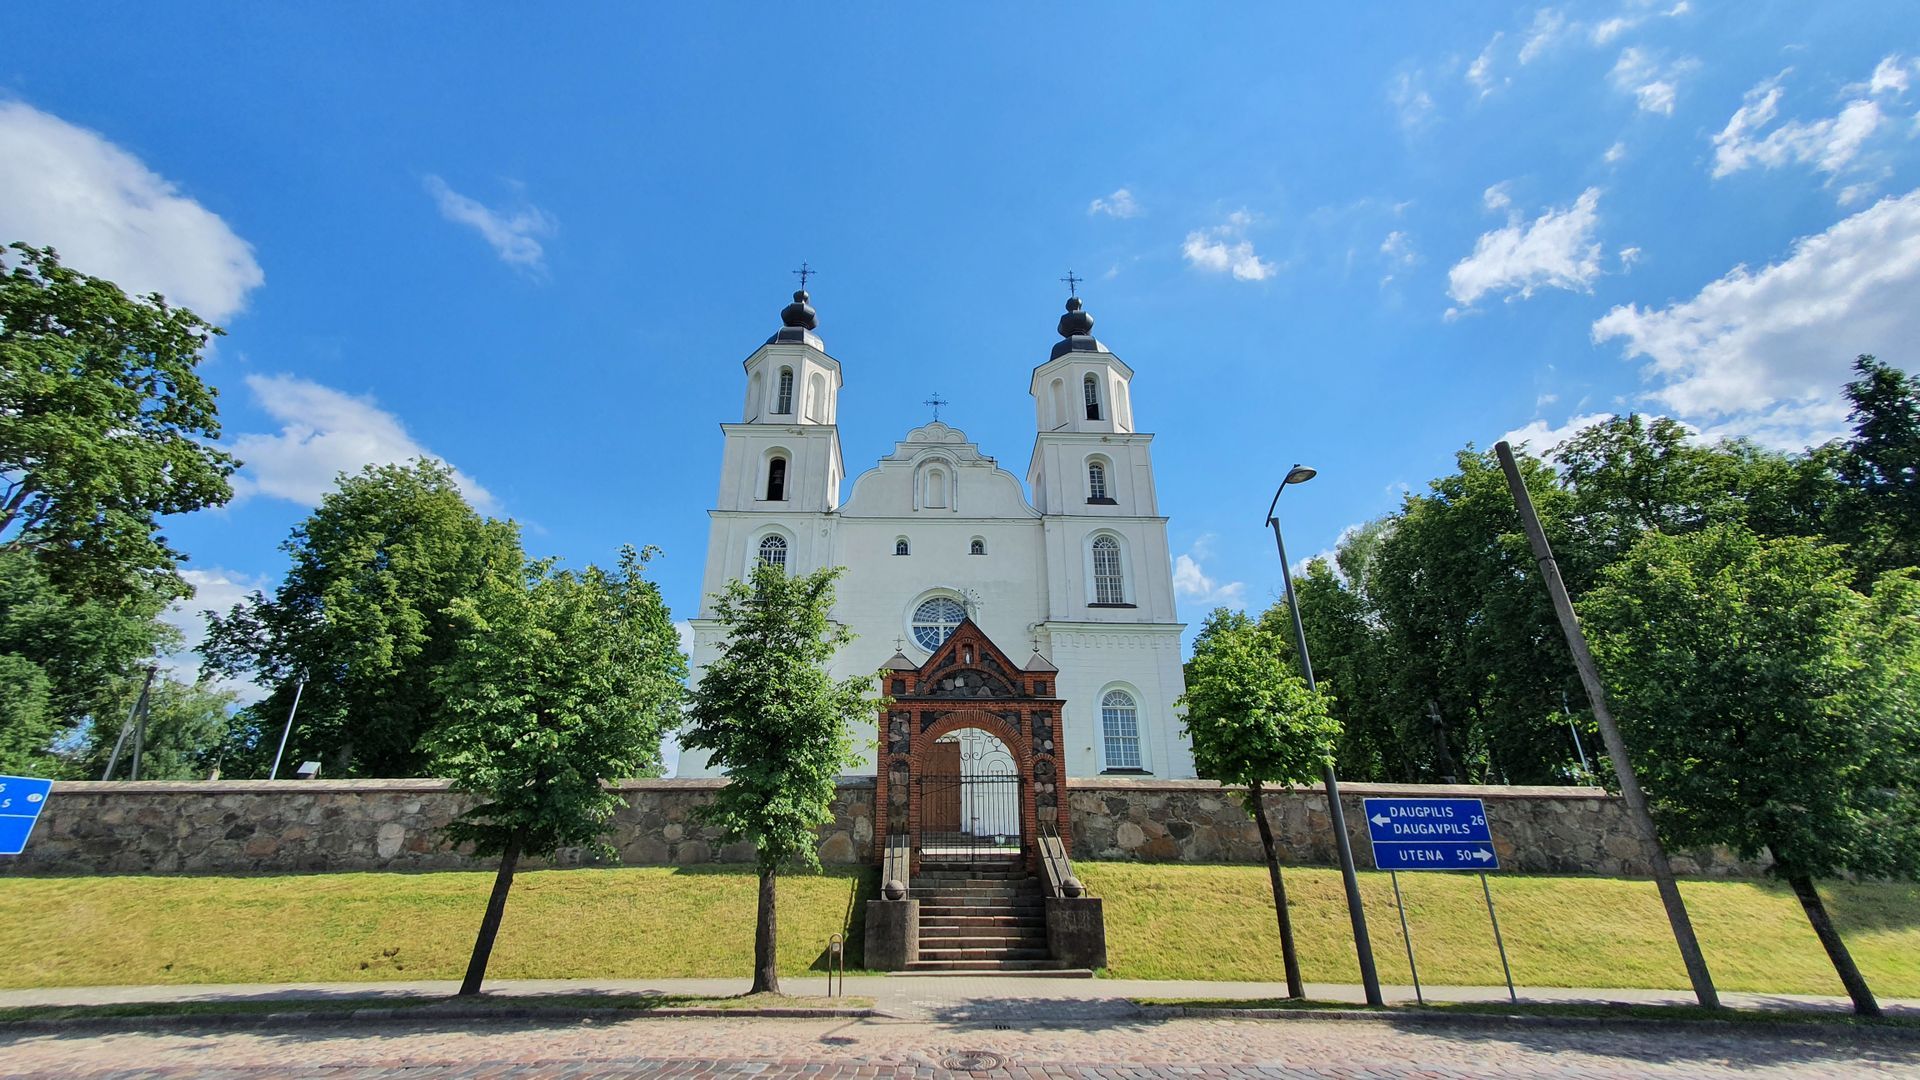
<point>1496,197</point>
<point>1615,153</point>
<point>1397,250</point>
<point>1224,249</point>
<point>1539,437</point>
<point>1629,256</point>
<point>1120,204</point>
<point>1608,29</point>
<point>324,433</point>
<point>1555,250</point>
<point>112,217</point>
<point>1549,27</point>
<point>1411,100</point>
<point>1764,353</point>
<point>514,234</point>
<point>1190,580</point>
<point>1653,83</point>
<point>1480,72</point>
<point>1835,145</point>
<point>215,590</point>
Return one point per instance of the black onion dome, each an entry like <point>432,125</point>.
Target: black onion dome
<point>1076,331</point>
<point>1076,322</point>
<point>799,314</point>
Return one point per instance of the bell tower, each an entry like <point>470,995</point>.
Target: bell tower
<point>784,454</point>
<point>1087,456</point>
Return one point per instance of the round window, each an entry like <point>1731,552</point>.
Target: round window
<point>934,621</point>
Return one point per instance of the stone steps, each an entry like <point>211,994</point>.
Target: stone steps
<point>980,915</point>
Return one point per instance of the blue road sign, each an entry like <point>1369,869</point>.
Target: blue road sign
<point>1430,834</point>
<point>21,800</point>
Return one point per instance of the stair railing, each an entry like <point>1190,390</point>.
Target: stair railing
<point>1058,869</point>
<point>896,868</point>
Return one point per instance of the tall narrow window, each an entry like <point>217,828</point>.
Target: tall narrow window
<point>777,480</point>
<point>817,397</point>
<point>785,404</point>
<point>1109,585</point>
<point>1120,724</point>
<point>1059,416</point>
<point>773,552</point>
<point>1096,481</point>
<point>936,489</point>
<point>1092,388</point>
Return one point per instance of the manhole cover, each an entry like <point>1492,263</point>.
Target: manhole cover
<point>972,1061</point>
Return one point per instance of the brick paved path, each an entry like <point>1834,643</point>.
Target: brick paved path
<point>1106,1049</point>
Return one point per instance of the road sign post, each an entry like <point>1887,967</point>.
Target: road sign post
<point>21,800</point>
<point>1435,834</point>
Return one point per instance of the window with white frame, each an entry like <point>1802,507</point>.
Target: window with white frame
<point>1109,581</point>
<point>773,552</point>
<point>1096,481</point>
<point>935,620</point>
<point>1120,725</point>
<point>785,403</point>
<point>1091,387</point>
<point>777,480</point>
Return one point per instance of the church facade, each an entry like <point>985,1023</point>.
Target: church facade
<point>1072,567</point>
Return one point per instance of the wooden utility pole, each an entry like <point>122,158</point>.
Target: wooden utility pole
<point>1630,791</point>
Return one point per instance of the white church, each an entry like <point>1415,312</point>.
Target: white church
<point>1071,571</point>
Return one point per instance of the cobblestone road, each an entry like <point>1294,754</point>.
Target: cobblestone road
<point>1110,1049</point>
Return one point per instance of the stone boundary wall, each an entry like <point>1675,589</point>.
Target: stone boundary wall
<point>259,826</point>
<point>1553,830</point>
<point>277,826</point>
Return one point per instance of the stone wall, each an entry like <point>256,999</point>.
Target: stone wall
<point>231,826</point>
<point>227,826</point>
<point>1560,830</point>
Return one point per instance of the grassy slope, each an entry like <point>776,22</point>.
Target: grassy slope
<point>1217,922</point>
<point>639,922</point>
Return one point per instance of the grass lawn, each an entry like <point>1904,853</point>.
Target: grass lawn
<point>1216,922</point>
<point>622,1002</point>
<point>629,922</point>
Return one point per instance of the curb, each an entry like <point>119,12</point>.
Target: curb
<point>389,1014</point>
<point>1480,1019</point>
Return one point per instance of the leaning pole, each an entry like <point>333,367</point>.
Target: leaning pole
<point>1610,734</point>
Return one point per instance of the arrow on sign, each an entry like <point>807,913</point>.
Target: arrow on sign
<point>1378,819</point>
<point>1483,854</point>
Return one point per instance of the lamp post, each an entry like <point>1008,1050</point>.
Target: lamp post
<point>1362,944</point>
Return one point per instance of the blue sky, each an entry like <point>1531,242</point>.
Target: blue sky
<point>539,245</point>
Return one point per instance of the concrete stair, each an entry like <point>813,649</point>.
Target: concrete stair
<point>983,914</point>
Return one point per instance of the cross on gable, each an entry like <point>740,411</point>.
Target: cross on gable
<point>936,401</point>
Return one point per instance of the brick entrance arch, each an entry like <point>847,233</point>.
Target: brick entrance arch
<point>969,682</point>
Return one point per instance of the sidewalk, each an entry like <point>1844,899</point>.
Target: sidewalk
<point>950,998</point>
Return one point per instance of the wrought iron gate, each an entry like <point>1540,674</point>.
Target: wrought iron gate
<point>967,815</point>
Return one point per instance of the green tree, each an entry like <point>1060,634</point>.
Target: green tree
<point>62,659</point>
<point>187,731</point>
<point>1253,722</point>
<point>105,426</point>
<point>363,616</point>
<point>558,683</point>
<point>1881,467</point>
<point>1382,737</point>
<point>778,727</point>
<point>1738,666</point>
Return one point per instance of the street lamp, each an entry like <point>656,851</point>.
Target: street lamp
<point>1369,978</point>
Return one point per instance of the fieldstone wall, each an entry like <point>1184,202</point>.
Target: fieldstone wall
<point>1560,830</point>
<point>227,826</point>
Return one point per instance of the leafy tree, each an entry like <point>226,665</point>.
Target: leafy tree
<point>1749,679</point>
<point>186,734</point>
<point>104,427</point>
<point>1254,722</point>
<point>1381,735</point>
<point>1881,467</point>
<point>61,659</point>
<point>778,727</point>
<point>362,615</point>
<point>558,683</point>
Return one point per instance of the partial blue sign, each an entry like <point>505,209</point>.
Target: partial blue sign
<point>1430,834</point>
<point>21,800</point>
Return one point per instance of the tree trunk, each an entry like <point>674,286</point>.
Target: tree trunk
<point>490,924</point>
<point>766,938</point>
<point>1289,958</point>
<point>1850,977</point>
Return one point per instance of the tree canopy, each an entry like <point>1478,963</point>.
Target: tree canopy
<point>778,726</point>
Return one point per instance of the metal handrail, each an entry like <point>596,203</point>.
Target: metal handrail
<point>1053,859</point>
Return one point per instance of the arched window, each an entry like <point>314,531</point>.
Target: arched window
<point>936,488</point>
<point>777,480</point>
<point>817,397</point>
<point>978,547</point>
<point>1122,411</point>
<point>1120,724</point>
<point>773,552</point>
<point>785,404</point>
<point>935,620</point>
<point>1109,584</point>
<point>1059,413</point>
<point>900,546</point>
<point>1096,481</point>
<point>755,387</point>
<point>1092,388</point>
